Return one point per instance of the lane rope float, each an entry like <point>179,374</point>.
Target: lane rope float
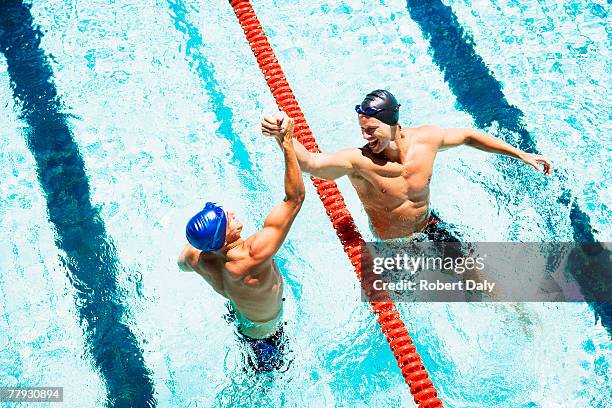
<point>392,326</point>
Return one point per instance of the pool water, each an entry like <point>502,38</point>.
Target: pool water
<point>120,118</point>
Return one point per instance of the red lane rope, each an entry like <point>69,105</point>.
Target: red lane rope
<point>393,328</point>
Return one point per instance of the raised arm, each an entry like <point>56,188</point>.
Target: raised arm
<point>328,166</point>
<point>480,140</point>
<point>265,243</point>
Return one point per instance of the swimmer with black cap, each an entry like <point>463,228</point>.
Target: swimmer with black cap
<point>243,270</point>
<point>382,105</point>
<point>392,172</point>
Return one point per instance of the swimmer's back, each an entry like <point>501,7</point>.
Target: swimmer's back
<point>254,286</point>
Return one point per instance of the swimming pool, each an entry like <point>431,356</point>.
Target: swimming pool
<point>162,103</point>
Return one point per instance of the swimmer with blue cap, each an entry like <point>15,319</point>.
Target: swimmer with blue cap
<point>243,269</point>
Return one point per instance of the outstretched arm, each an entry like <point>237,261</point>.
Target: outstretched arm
<point>265,243</point>
<point>328,166</point>
<point>322,165</point>
<point>483,141</point>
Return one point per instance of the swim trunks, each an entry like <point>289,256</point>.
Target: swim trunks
<point>437,230</point>
<point>266,341</point>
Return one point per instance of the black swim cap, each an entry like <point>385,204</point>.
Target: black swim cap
<point>381,105</point>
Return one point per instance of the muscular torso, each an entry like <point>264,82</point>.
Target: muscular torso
<point>255,289</point>
<point>396,195</point>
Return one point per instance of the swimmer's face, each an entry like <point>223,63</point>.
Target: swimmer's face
<point>375,132</point>
<point>233,227</point>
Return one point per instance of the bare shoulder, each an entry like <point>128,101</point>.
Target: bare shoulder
<point>428,134</point>
<point>253,250</point>
<point>248,260</point>
<point>426,129</point>
<point>189,258</point>
<point>352,156</point>
<point>359,156</point>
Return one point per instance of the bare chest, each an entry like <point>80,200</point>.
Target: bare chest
<point>398,183</point>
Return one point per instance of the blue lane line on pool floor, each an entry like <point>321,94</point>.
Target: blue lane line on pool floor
<point>204,69</point>
<point>90,256</point>
<point>240,155</point>
<point>480,94</point>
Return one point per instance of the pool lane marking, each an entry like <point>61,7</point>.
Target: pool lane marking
<point>90,255</point>
<point>480,94</point>
<point>204,69</point>
<point>223,113</point>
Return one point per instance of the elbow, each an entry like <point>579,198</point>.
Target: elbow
<point>306,166</point>
<point>301,196</point>
<point>309,164</point>
<point>473,136</point>
<point>297,198</point>
<point>469,135</point>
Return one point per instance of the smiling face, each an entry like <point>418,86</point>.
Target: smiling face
<point>233,227</point>
<point>376,133</point>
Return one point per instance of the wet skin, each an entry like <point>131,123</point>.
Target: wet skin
<point>243,270</point>
<point>393,171</point>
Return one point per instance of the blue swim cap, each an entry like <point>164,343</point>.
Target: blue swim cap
<point>206,230</point>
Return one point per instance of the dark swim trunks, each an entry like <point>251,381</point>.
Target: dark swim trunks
<point>437,230</point>
<point>267,354</point>
<point>260,355</point>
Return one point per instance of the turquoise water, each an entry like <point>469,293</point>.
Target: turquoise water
<point>163,103</point>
